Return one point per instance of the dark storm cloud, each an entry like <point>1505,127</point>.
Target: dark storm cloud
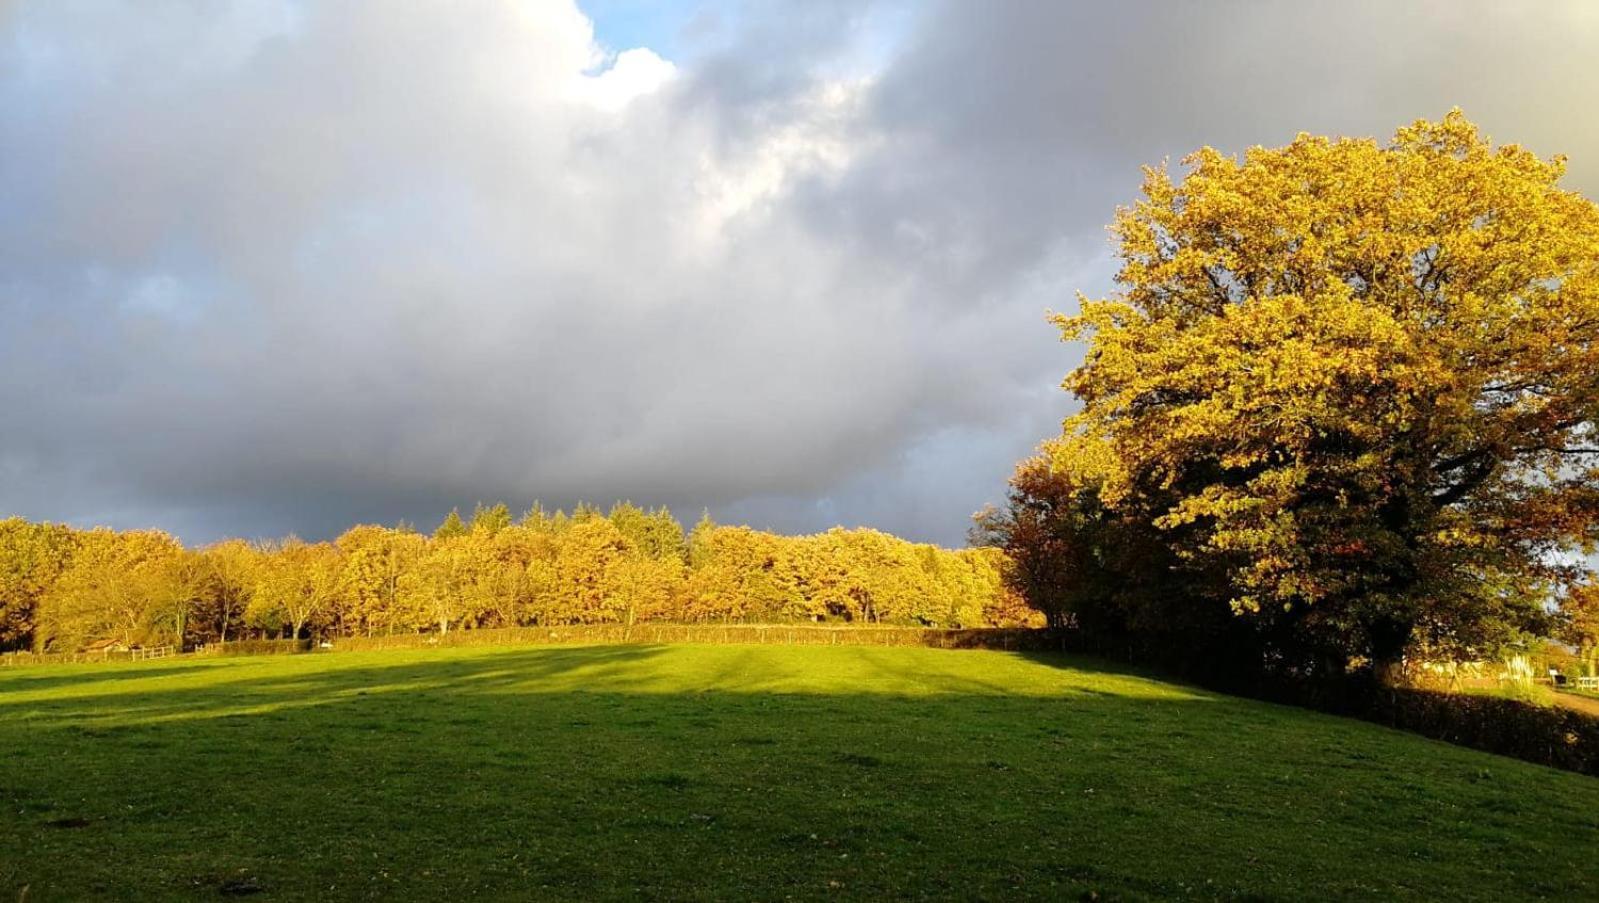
<point>267,266</point>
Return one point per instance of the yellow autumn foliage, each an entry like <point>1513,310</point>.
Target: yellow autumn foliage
<point>61,588</point>
<point>1349,374</point>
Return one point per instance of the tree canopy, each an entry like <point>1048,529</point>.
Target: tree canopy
<point>1350,387</point>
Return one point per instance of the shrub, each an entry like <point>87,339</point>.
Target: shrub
<point>1526,691</point>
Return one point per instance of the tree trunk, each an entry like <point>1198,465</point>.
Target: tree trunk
<point>1390,637</point>
<point>1389,672</point>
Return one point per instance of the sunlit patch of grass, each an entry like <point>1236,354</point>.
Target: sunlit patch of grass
<point>743,772</point>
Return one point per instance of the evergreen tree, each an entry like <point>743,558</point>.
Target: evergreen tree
<point>490,520</point>
<point>452,526</point>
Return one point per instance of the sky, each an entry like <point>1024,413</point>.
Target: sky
<point>270,266</point>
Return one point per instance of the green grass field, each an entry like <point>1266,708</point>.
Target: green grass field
<point>743,772</point>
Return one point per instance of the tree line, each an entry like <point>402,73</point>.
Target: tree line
<point>63,588</point>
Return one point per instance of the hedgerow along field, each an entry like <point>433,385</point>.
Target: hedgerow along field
<point>763,772</point>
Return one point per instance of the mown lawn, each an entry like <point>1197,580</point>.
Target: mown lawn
<point>743,772</point>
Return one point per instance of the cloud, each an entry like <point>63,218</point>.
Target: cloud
<point>634,73</point>
<point>271,266</point>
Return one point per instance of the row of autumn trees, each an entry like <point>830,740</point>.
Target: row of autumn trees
<point>61,589</point>
<point>1341,414</point>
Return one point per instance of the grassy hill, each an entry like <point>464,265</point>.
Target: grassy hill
<point>748,772</point>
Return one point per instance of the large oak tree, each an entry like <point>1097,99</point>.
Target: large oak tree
<point>1353,385</point>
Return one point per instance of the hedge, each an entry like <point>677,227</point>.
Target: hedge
<point>1548,735</point>
<point>21,659</point>
<point>255,647</point>
<point>785,634</point>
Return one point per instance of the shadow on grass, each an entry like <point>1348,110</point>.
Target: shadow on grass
<point>41,677</point>
<point>130,696</point>
<point>740,772</point>
<point>304,681</point>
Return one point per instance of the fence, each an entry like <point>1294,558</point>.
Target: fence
<point>24,659</point>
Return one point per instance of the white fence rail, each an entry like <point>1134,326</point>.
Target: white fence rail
<point>17,659</point>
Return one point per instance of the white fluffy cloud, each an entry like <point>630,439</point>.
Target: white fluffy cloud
<point>634,73</point>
